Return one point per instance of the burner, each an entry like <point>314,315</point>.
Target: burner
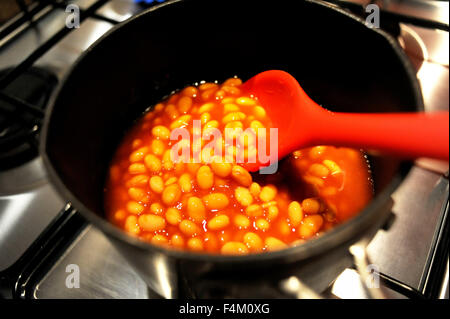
<point>19,126</point>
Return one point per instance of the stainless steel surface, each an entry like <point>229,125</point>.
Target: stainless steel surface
<point>17,50</point>
<point>23,216</point>
<point>64,53</point>
<point>27,202</point>
<point>120,10</point>
<point>402,251</point>
<point>26,209</point>
<point>25,25</point>
<point>23,178</point>
<point>104,273</point>
<point>349,285</point>
<point>424,9</point>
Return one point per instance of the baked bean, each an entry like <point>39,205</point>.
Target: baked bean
<point>185,182</point>
<point>220,168</point>
<point>227,100</point>
<point>161,132</point>
<point>234,248</point>
<point>215,201</point>
<point>311,206</point>
<point>253,241</point>
<point>184,104</point>
<point>268,204</point>
<point>157,184</point>
<point>262,224</point>
<point>151,223</point>
<point>233,82</point>
<point>310,226</point>
<point>268,193</point>
<point>211,124</point>
<point>254,210</point>
<point>137,168</point>
<point>173,216</point>
<point>259,112</point>
<point>272,213</point>
<point>177,241</point>
<point>245,101</point>
<point>273,244</point>
<point>134,207</point>
<point>230,107</point>
<point>207,86</point>
<point>170,180</point>
<point>295,213</point>
<point>172,111</point>
<point>120,215</point>
<point>233,116</point>
<point>255,189</point>
<point>234,125</point>
<point>171,194</point>
<point>137,194</point>
<point>131,225</point>
<point>167,162</point>
<point>136,143</point>
<point>205,117</point>
<point>316,152</point>
<point>243,196</point>
<point>159,107</point>
<point>318,170</point>
<point>332,166</point>
<point>241,221</point>
<point>218,222</point>
<point>139,154</point>
<point>231,90</point>
<point>181,122</point>
<point>315,181</point>
<point>196,209</point>
<point>207,94</point>
<point>156,208</point>
<point>159,240</point>
<point>195,244</point>
<point>153,163</point>
<point>189,228</point>
<point>207,107</point>
<point>157,147</point>
<point>190,91</point>
<point>241,175</point>
<point>205,177</point>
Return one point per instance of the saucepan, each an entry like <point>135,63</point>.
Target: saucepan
<point>341,62</point>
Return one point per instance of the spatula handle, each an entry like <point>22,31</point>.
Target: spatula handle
<point>409,135</point>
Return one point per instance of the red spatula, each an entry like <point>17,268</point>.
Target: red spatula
<point>301,123</point>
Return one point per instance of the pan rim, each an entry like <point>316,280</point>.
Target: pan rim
<point>332,238</point>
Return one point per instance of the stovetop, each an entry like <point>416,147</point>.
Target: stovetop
<point>41,236</point>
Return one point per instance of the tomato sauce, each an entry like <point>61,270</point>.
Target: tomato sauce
<point>216,206</point>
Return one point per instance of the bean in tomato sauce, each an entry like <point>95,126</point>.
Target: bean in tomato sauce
<point>215,205</point>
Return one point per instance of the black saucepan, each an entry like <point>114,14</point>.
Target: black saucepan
<point>342,64</point>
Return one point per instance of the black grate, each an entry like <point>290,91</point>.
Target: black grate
<point>25,90</point>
